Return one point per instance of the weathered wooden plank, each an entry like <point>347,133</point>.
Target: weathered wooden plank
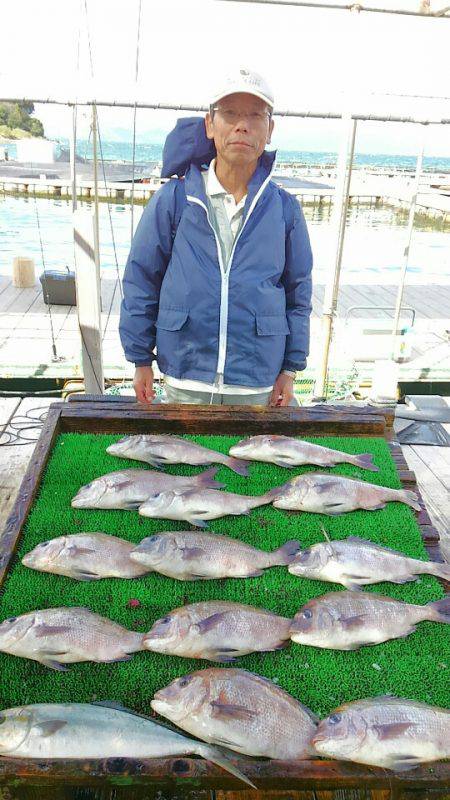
<point>28,489</point>
<point>179,773</point>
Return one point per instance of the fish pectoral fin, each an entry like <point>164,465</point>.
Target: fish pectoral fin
<point>127,657</point>
<point>334,508</point>
<point>256,574</point>
<point>85,575</point>
<point>189,553</point>
<point>224,654</point>
<point>390,730</point>
<point>374,508</point>
<point>281,462</point>
<point>51,663</point>
<point>401,762</point>
<point>131,506</point>
<point>358,621</point>
<point>43,629</point>
<point>227,711</point>
<point>209,623</point>
<point>75,550</point>
<point>49,727</point>
<point>199,523</point>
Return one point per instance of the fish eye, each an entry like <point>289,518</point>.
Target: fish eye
<point>44,544</point>
<point>165,620</point>
<point>304,555</point>
<point>334,719</point>
<point>184,681</point>
<point>307,613</point>
<point>11,619</point>
<point>153,538</point>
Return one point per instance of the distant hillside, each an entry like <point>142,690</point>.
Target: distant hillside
<point>16,121</point>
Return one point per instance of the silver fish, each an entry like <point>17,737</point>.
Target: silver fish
<point>85,731</point>
<point>59,636</point>
<point>385,732</point>
<point>349,620</point>
<point>354,562</point>
<point>285,451</point>
<point>197,505</point>
<point>128,488</point>
<point>240,710</point>
<point>160,449</point>
<point>192,555</point>
<point>218,631</point>
<point>86,557</point>
<point>322,493</point>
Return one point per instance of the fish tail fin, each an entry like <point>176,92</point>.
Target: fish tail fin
<point>224,760</point>
<point>410,498</point>
<point>286,553</point>
<point>207,480</point>
<point>364,460</point>
<point>272,494</point>
<point>238,465</point>
<point>440,610</point>
<point>438,570</point>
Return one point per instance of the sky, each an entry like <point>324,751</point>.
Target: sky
<point>314,59</point>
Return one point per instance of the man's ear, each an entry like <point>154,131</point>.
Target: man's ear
<point>269,135</point>
<point>209,126</point>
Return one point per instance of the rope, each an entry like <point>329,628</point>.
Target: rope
<point>138,35</point>
<point>13,435</point>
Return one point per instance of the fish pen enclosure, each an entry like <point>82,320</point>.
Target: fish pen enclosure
<point>71,452</point>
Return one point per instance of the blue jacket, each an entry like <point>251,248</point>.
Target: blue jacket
<point>247,323</point>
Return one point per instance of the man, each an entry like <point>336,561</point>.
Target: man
<point>219,273</point>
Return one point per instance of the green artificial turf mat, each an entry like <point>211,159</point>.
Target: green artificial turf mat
<point>415,667</point>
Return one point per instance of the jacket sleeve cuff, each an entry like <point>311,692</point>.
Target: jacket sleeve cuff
<point>292,366</point>
<point>147,363</point>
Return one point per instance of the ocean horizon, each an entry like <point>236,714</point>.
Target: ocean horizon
<point>123,152</point>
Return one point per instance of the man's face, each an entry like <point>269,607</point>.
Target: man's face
<point>241,127</point>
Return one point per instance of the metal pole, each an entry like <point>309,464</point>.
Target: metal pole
<point>412,209</point>
<point>441,13</point>
<point>338,220</point>
<point>73,159</point>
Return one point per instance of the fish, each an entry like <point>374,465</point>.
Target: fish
<point>86,557</point>
<point>56,637</point>
<point>128,488</point>
<point>285,451</point>
<point>97,731</point>
<point>193,555</point>
<point>161,449</point>
<point>355,562</point>
<point>388,732</point>
<point>197,505</point>
<point>217,630</point>
<point>239,710</point>
<point>322,493</point>
<point>349,620</point>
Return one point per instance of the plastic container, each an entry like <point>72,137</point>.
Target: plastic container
<point>58,288</point>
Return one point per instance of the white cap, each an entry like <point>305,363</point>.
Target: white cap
<point>244,80</point>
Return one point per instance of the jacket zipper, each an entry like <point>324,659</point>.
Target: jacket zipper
<point>225,276</point>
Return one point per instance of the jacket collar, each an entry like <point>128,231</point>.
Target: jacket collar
<point>196,188</point>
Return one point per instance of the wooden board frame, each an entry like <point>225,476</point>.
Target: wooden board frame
<point>123,415</point>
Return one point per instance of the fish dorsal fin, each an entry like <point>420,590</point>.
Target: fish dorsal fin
<point>375,546</point>
<point>325,534</point>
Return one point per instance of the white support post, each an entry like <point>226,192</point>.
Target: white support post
<point>338,220</point>
<point>412,210</point>
<point>87,278</point>
<point>73,158</point>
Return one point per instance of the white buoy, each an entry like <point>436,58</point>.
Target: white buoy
<point>23,272</point>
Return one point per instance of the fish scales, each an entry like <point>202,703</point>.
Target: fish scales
<point>193,555</point>
<point>241,710</point>
<point>161,449</point>
<point>286,451</point>
<point>217,631</point>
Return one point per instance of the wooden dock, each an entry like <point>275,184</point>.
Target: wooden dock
<point>26,324</point>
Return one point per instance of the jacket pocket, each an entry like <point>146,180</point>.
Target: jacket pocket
<point>272,325</point>
<point>171,319</point>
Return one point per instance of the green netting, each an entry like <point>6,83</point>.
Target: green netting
<point>415,667</point>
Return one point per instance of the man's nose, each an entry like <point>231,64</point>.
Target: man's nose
<point>242,123</point>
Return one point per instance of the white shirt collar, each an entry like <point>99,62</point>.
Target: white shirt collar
<point>214,185</point>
